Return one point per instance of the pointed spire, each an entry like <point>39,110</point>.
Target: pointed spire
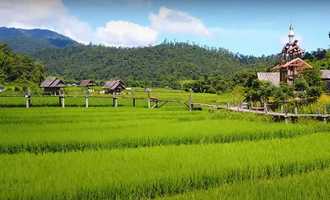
<point>291,33</point>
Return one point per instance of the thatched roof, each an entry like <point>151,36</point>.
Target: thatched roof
<point>112,85</point>
<point>297,62</point>
<point>273,77</point>
<point>52,83</point>
<point>85,83</point>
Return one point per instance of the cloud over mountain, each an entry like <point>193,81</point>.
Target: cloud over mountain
<point>174,21</point>
<point>126,34</point>
<point>53,15</point>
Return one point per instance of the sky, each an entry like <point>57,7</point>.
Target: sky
<point>249,27</point>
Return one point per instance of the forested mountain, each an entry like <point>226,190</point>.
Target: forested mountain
<point>161,65</point>
<point>31,41</point>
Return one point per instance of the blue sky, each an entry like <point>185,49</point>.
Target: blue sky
<point>247,27</point>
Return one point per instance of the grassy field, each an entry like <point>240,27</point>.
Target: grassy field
<point>169,153</point>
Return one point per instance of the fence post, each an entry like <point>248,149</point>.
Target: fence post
<point>190,100</point>
<point>61,98</point>
<point>27,101</point>
<point>133,98</point>
<point>86,101</point>
<point>114,100</point>
<point>148,90</point>
<point>62,101</point>
<point>28,98</point>
<point>86,97</point>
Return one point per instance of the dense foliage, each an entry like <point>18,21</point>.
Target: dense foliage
<point>19,69</point>
<point>167,64</point>
<point>307,88</point>
<point>319,58</point>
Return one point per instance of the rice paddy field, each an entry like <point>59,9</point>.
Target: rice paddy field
<point>169,153</point>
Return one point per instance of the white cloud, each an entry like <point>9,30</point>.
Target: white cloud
<point>50,14</point>
<point>126,34</point>
<point>53,15</point>
<point>174,21</point>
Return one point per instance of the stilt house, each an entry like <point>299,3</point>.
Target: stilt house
<point>114,86</point>
<point>52,86</point>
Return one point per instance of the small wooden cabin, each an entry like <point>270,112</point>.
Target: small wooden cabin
<point>87,83</point>
<point>290,70</point>
<point>52,86</point>
<point>325,77</point>
<point>114,86</point>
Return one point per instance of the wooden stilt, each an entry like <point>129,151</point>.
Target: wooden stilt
<point>62,100</point>
<point>86,101</point>
<point>27,101</point>
<point>114,100</point>
<point>28,98</point>
<point>148,90</point>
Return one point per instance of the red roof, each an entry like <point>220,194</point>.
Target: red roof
<point>297,62</point>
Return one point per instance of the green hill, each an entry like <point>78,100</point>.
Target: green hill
<point>159,65</point>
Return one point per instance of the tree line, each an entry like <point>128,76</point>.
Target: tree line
<point>18,69</point>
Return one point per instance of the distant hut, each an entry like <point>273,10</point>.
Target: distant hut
<point>87,85</point>
<point>325,77</point>
<point>114,86</point>
<point>52,86</point>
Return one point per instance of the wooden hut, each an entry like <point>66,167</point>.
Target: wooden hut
<point>325,77</point>
<point>289,71</point>
<point>114,86</point>
<point>87,83</point>
<point>52,86</point>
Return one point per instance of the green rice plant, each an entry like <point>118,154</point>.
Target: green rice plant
<point>59,130</point>
<point>306,186</point>
<point>158,171</point>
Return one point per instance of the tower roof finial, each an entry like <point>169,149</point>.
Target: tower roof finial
<point>291,33</point>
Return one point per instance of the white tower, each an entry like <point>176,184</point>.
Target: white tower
<point>291,34</point>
